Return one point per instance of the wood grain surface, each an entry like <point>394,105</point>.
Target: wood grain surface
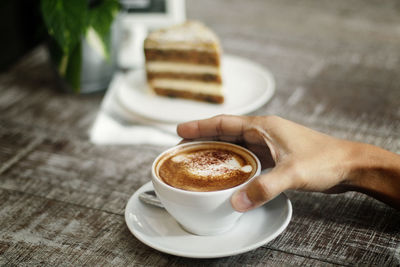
<point>337,70</point>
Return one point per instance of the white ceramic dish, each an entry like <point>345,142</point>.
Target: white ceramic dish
<point>157,229</point>
<point>247,87</point>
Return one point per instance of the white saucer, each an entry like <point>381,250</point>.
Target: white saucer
<point>247,87</point>
<point>157,229</point>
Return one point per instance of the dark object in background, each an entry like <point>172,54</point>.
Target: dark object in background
<point>144,6</point>
<point>21,29</point>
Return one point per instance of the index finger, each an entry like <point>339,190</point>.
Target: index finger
<point>221,125</point>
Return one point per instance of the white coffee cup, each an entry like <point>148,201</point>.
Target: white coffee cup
<point>201,213</point>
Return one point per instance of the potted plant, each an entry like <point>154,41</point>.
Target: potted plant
<point>80,41</point>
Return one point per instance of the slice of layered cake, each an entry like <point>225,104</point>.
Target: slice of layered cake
<point>184,61</point>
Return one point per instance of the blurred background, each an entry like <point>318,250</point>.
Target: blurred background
<point>119,27</point>
<point>22,29</point>
<point>325,56</point>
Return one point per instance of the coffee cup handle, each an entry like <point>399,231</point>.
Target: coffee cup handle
<point>265,171</point>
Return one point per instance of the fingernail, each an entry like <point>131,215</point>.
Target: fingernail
<point>241,201</point>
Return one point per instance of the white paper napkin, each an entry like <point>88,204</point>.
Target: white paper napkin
<point>116,125</point>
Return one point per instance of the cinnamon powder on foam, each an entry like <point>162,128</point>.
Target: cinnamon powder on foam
<point>205,170</point>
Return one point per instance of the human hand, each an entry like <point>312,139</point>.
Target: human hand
<point>301,157</point>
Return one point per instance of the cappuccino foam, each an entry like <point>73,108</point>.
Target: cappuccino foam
<point>206,167</point>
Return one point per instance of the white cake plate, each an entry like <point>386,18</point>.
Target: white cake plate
<point>247,86</point>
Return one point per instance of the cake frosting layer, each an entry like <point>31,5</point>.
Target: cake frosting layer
<point>181,46</point>
<point>188,85</point>
<point>189,35</point>
<point>162,66</point>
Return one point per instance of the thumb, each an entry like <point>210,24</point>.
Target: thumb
<point>261,189</point>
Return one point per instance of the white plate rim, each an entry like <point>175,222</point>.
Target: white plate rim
<point>123,91</point>
<point>149,186</point>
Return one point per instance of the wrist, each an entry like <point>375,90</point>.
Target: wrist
<point>374,171</point>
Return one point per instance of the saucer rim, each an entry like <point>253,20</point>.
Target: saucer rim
<point>202,255</point>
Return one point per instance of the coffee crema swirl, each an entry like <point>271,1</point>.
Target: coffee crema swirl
<point>206,167</point>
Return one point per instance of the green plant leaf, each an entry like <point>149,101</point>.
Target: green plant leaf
<point>73,68</point>
<point>100,18</point>
<point>66,21</point>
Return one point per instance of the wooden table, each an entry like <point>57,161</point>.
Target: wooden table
<point>337,70</point>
